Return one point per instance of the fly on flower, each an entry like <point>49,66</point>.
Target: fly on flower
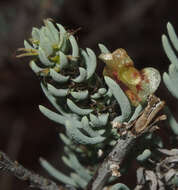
<point>136,84</point>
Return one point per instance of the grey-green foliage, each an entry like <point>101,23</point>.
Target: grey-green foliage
<point>171,120</point>
<point>121,98</point>
<point>78,179</point>
<point>171,78</point>
<point>145,150</point>
<point>70,83</point>
<point>84,104</point>
<point>57,174</point>
<point>151,141</point>
<point>119,186</point>
<point>144,155</point>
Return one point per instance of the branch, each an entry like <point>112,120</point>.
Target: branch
<point>112,163</point>
<point>144,123</point>
<point>17,170</point>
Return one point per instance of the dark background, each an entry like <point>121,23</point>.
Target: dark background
<point>135,25</point>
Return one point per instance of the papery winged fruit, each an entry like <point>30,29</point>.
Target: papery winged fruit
<point>136,84</point>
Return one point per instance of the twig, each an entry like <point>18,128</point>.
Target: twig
<point>144,123</point>
<point>112,161</point>
<point>17,170</point>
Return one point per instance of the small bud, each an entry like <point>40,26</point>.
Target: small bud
<point>100,153</point>
<point>114,170</point>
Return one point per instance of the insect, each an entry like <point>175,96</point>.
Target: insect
<point>136,84</point>
<point>146,120</point>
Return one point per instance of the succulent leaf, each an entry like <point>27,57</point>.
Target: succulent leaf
<point>171,120</point>
<point>36,69</point>
<point>56,174</point>
<point>81,95</point>
<point>27,45</point>
<point>43,58</point>
<point>81,182</point>
<point>144,155</point>
<point>75,109</point>
<point>65,140</point>
<point>57,92</point>
<point>103,48</point>
<point>52,115</point>
<point>119,186</point>
<point>53,30</point>
<point>87,127</point>
<point>91,64</point>
<point>82,76</point>
<point>136,113</point>
<point>79,137</point>
<point>55,104</point>
<point>36,34</point>
<point>74,164</point>
<point>121,99</point>
<point>171,79</point>
<point>58,77</point>
<point>75,49</point>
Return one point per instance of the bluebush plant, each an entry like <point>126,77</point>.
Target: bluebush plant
<point>87,105</point>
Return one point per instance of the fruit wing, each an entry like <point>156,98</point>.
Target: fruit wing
<point>150,82</point>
